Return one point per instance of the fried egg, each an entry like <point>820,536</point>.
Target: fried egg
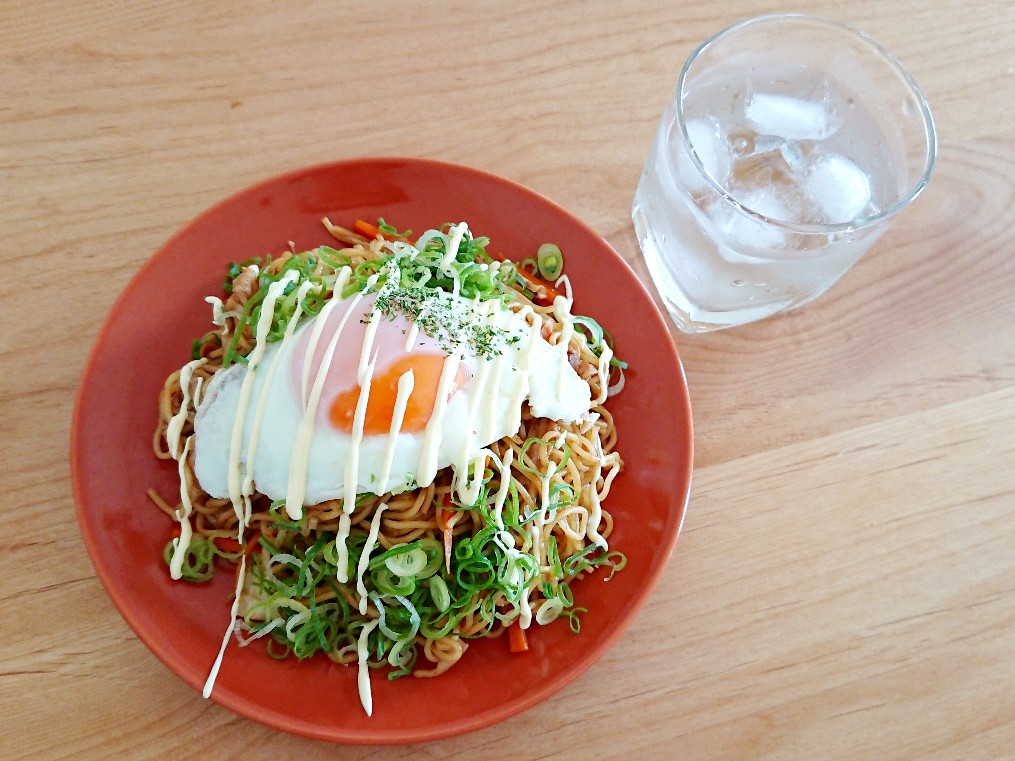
<point>436,393</point>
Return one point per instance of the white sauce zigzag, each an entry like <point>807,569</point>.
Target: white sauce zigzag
<point>482,417</point>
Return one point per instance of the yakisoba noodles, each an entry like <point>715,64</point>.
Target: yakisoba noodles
<point>401,447</point>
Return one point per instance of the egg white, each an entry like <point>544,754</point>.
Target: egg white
<point>550,385</point>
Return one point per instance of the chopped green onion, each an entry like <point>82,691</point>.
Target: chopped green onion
<point>278,649</point>
<point>197,347</point>
<point>549,261</point>
<point>549,611</point>
<point>198,560</point>
<point>597,338</point>
<point>440,594</point>
<point>564,594</point>
<point>390,584</point>
<point>617,561</point>
<point>298,605</point>
<point>531,471</point>
<point>594,333</point>
<point>408,563</point>
<point>580,561</point>
<point>561,494</point>
<point>280,522</point>
<point>387,229</point>
<point>553,557</point>
<point>573,620</point>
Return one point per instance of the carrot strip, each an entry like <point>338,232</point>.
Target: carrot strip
<point>227,544</point>
<point>447,531</point>
<point>544,292</point>
<point>517,641</point>
<point>252,543</point>
<point>366,229</point>
<point>448,537</point>
<point>370,231</point>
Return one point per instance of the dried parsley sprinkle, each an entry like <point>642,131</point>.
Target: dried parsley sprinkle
<point>435,313</point>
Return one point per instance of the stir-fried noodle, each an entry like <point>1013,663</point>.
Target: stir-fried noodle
<point>437,573</point>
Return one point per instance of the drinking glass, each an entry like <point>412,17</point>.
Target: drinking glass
<point>789,145</point>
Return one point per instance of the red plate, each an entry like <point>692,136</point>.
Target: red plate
<point>148,335</point>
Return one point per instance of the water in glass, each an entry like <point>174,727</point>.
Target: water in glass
<point>788,153</point>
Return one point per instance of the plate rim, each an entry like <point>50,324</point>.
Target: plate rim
<point>334,733</point>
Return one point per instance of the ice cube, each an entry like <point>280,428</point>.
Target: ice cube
<point>710,144</point>
<point>747,233</point>
<point>768,203</point>
<point>837,187</point>
<point>790,118</point>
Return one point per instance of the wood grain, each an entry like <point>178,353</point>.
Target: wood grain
<point>845,586</point>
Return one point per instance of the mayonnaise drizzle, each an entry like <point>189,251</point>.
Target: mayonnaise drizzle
<point>218,313</point>
<point>198,388</point>
<point>604,374</point>
<point>342,556</point>
<point>351,477</point>
<point>487,423</point>
<point>427,469</point>
<point>505,484</point>
<point>524,363</point>
<point>173,429</point>
<point>237,495</point>
<point>525,608</point>
<point>596,513</point>
<point>454,240</point>
<point>363,677</point>
<point>366,367</point>
<point>364,378</point>
<point>183,515</point>
<point>364,558</point>
<point>315,335</point>
<point>410,335</point>
<point>299,461</point>
<point>482,417</point>
<point>562,312</point>
<point>617,387</point>
<point>482,401</point>
<point>468,493</point>
<point>539,521</point>
<point>506,541</point>
<point>233,613</point>
<point>563,283</point>
<point>262,401</point>
<point>406,382</point>
<point>176,422</point>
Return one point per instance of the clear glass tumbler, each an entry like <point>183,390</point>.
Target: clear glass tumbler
<point>789,145</point>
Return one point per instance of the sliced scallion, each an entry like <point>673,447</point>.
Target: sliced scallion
<point>549,261</point>
<point>408,563</point>
<point>439,593</point>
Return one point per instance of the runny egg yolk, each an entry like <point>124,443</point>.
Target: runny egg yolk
<point>426,371</point>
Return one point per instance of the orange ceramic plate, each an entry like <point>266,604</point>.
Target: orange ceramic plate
<point>148,335</point>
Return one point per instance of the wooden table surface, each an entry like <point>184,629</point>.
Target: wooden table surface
<point>845,584</point>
